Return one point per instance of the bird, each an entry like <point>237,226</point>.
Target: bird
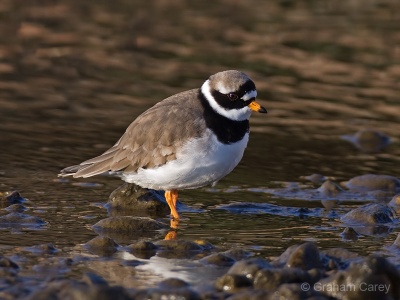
<point>186,141</point>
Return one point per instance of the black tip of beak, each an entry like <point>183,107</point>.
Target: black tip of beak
<point>262,110</point>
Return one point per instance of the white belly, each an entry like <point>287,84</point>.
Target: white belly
<point>200,162</point>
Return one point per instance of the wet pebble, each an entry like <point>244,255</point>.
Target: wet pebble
<point>16,208</point>
<point>102,246</point>
<point>218,259</point>
<point>19,219</point>
<point>372,182</point>
<point>373,278</point>
<point>142,249</point>
<point>305,256</point>
<point>13,198</point>
<point>249,267</point>
<point>237,254</point>
<point>232,282</point>
<point>271,279</point>
<point>369,214</point>
<point>132,198</point>
<point>368,140</point>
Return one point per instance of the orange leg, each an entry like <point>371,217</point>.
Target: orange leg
<point>171,197</point>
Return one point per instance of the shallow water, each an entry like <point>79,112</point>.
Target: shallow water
<point>62,104</point>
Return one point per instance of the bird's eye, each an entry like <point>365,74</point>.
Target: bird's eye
<point>232,96</point>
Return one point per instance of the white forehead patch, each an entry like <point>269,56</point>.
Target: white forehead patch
<point>249,95</point>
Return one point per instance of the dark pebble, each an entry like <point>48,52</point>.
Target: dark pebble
<point>249,267</point>
<point>218,259</point>
<point>271,279</point>
<point>102,246</point>
<point>142,249</point>
<point>232,282</point>
<point>237,254</point>
<point>14,198</point>
<point>305,256</point>
<point>180,248</point>
<point>373,273</point>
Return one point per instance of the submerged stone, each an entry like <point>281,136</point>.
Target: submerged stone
<point>370,214</point>
<point>368,140</point>
<point>127,224</point>
<point>20,219</point>
<point>372,182</point>
<point>123,229</point>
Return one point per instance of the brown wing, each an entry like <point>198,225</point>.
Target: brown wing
<point>151,140</point>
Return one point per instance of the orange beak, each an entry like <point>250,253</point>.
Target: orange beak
<point>254,106</point>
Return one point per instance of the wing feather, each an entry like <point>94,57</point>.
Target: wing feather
<point>151,140</point>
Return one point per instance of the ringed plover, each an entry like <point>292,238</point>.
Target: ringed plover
<point>189,140</point>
